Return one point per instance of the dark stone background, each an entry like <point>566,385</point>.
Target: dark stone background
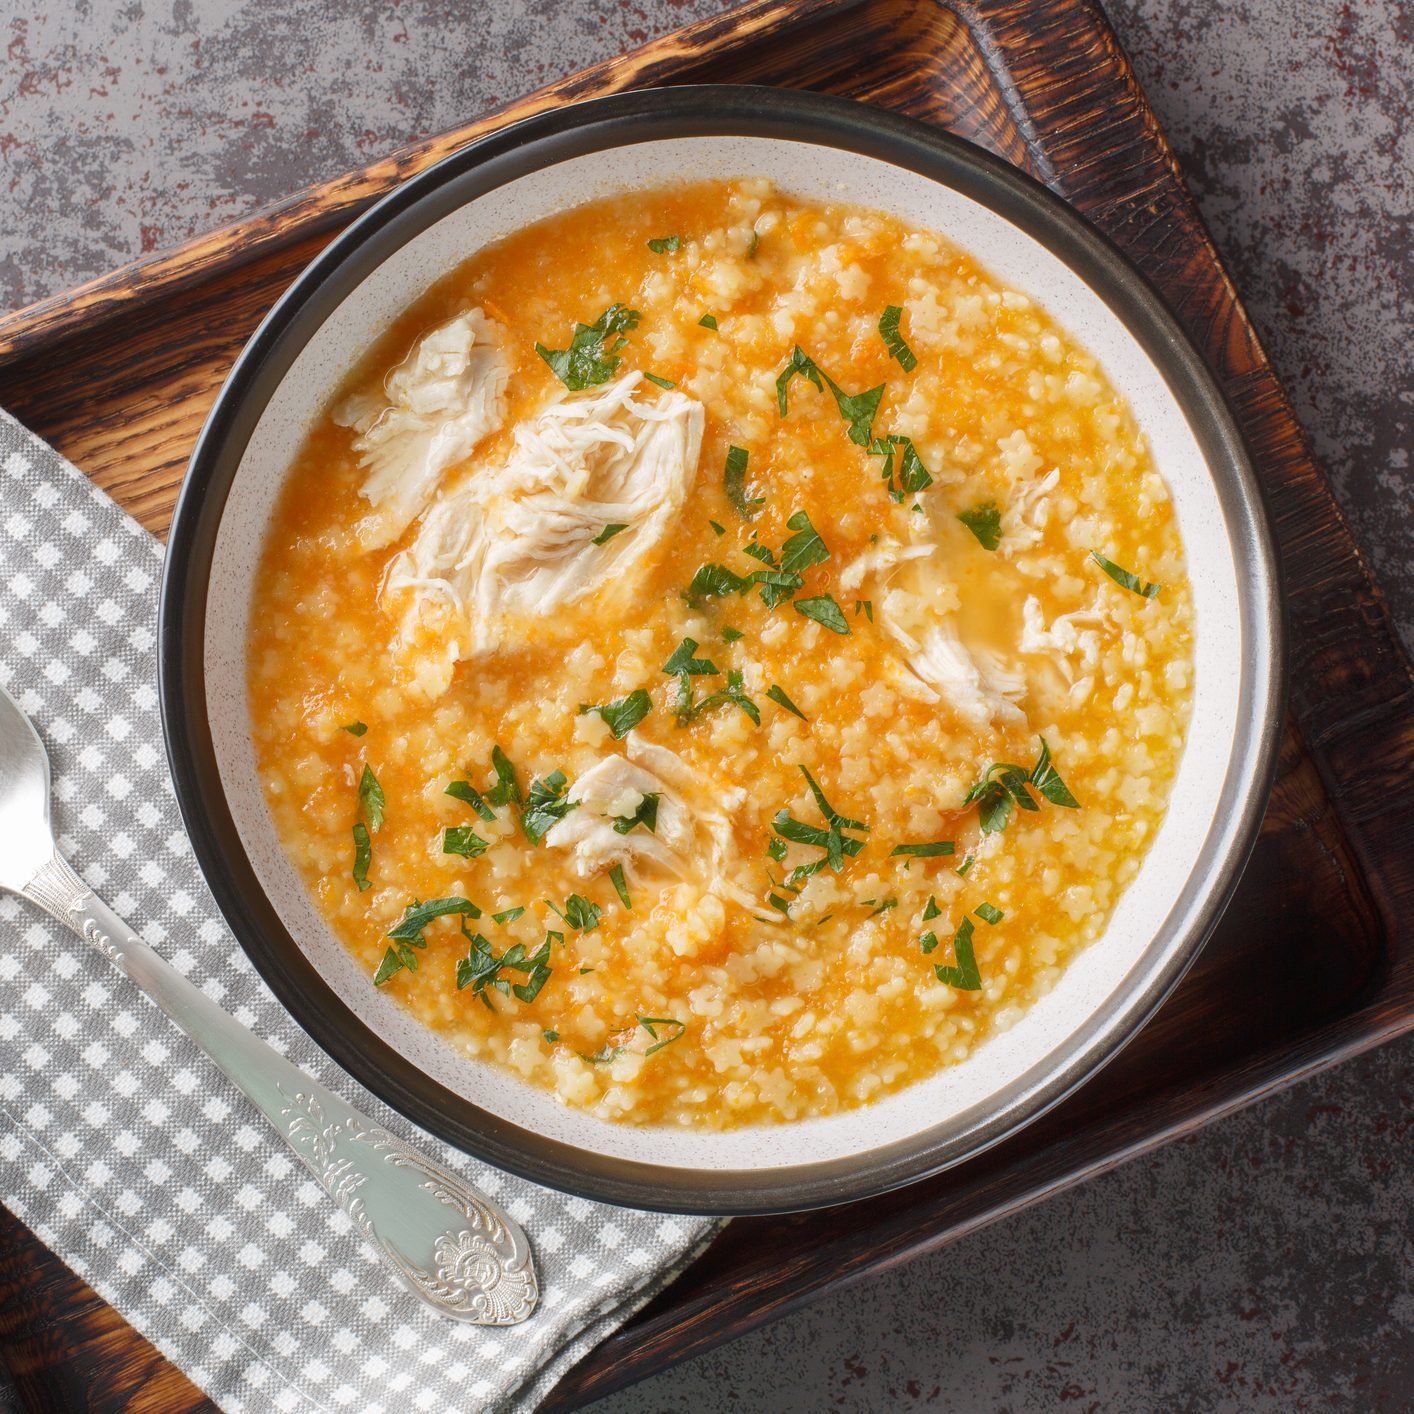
<point>1265,1263</point>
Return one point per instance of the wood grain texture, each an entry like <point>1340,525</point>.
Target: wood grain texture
<point>1313,960</point>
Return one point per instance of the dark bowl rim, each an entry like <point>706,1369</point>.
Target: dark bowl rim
<point>492,161</point>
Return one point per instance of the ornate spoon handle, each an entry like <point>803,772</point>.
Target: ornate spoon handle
<point>450,1247</point>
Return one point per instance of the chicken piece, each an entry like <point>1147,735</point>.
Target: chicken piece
<point>517,542</point>
<point>880,560</point>
<point>981,693</point>
<point>441,401</point>
<point>692,838</point>
<point>1028,515</point>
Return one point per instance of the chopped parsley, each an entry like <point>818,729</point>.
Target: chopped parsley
<point>867,605</point>
<point>777,694</point>
<point>894,341</point>
<point>623,714</point>
<point>857,409</point>
<point>838,845</point>
<point>363,856</point>
<point>356,728</point>
<point>508,915</point>
<point>665,245</point>
<point>730,635</point>
<point>1005,787</point>
<point>506,791</point>
<point>609,531</point>
<point>545,806</point>
<point>590,358</point>
<point>481,968</point>
<point>661,382</point>
<point>718,529</point>
<point>931,850</point>
<point>964,975</point>
<point>371,799</point>
<point>616,877</point>
<point>582,914</point>
<point>1125,579</point>
<point>551,1036</point>
<point>965,868</point>
<point>804,548</point>
<point>989,913</point>
<point>682,661</point>
<point>734,482</point>
<point>469,795</point>
<point>733,694</point>
<point>708,321</point>
<point>463,840</point>
<point>931,909</point>
<point>408,934</point>
<point>900,454</point>
<point>985,522</point>
<point>824,611</point>
<point>646,815</point>
<point>777,849</point>
<point>651,1024</point>
<point>882,905</point>
<point>716,581</point>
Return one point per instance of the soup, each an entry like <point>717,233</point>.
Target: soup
<point>720,656</point>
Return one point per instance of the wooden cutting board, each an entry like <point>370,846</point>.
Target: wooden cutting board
<point>1314,960</point>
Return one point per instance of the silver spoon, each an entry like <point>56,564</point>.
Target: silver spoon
<point>452,1248</point>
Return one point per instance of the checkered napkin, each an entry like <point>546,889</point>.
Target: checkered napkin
<point>124,1148</point>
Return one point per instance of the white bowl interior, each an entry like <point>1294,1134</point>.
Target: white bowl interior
<point>1117,963</point>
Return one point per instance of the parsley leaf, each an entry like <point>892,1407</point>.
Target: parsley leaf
<point>734,482</point>
<point>964,976</point>
<point>804,548</point>
<point>931,909</point>
<point>730,635</point>
<point>665,245</point>
<point>651,1023</point>
<point>733,693</point>
<point>363,856</point>
<point>609,531</point>
<point>481,968</point>
<point>777,694</point>
<point>1046,779</point>
<point>708,321</point>
<point>682,661</point>
<point>356,728</point>
<point>508,915</point>
<point>616,877</point>
<point>799,363</point>
<point>623,714</point>
<point>1129,581</point>
<point>646,815</point>
<point>408,934</point>
<point>371,799</point>
<point>913,476</point>
<point>894,341</point>
<point>985,522</point>
<point>463,840</point>
<point>582,914</point>
<point>989,913</point>
<point>931,850</point>
<point>661,382</point>
<point>468,794</point>
<point>714,581</point>
<point>823,609</point>
<point>590,360</point>
<point>545,805</point>
<point>506,791</point>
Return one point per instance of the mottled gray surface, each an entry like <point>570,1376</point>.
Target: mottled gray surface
<point>1263,1264</point>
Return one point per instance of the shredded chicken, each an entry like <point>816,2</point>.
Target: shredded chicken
<point>947,671</point>
<point>1071,644</point>
<point>880,559</point>
<point>518,541</point>
<point>687,841</point>
<point>1028,515</point>
<point>441,401</point>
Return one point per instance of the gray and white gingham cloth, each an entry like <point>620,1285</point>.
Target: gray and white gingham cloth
<point>124,1148</point>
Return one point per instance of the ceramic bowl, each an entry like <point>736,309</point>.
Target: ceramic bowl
<point>813,147</point>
